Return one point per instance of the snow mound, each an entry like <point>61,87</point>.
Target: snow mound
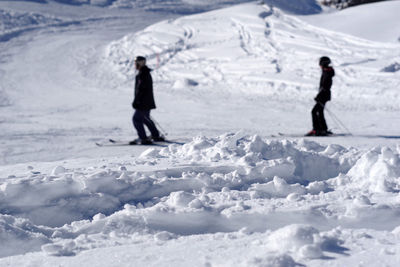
<point>208,185</point>
<point>304,240</point>
<point>377,171</point>
<point>231,161</point>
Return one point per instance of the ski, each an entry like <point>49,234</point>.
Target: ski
<point>127,144</point>
<point>113,142</point>
<point>154,142</point>
<point>305,135</point>
<point>170,142</point>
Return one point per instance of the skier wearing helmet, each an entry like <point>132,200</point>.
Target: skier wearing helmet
<point>324,95</point>
<point>143,103</point>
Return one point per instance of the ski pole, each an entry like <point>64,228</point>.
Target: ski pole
<point>337,119</point>
<point>335,122</point>
<point>163,132</point>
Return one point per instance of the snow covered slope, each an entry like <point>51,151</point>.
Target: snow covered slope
<point>226,83</point>
<point>261,52</point>
<point>270,59</point>
<point>190,6</point>
<point>364,21</point>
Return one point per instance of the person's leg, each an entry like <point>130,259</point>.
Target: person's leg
<point>138,122</point>
<point>315,117</point>
<point>150,125</point>
<point>319,122</point>
<point>322,121</point>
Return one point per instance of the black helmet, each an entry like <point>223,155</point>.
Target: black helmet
<point>140,58</point>
<point>140,61</point>
<point>324,61</point>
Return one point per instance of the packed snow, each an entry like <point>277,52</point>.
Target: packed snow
<point>234,87</point>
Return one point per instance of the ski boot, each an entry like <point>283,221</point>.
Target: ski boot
<point>158,138</point>
<point>311,133</point>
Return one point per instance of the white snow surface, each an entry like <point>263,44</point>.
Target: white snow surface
<point>362,21</point>
<point>234,88</point>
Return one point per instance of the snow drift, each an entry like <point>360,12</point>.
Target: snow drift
<point>209,185</point>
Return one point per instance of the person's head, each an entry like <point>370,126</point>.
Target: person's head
<point>324,62</point>
<point>140,62</point>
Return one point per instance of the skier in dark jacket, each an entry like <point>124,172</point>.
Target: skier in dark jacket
<point>324,95</point>
<point>144,102</point>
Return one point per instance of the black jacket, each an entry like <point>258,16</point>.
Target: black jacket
<point>144,99</point>
<point>325,85</point>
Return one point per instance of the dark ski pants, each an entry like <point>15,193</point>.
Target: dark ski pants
<point>141,118</point>
<point>318,118</point>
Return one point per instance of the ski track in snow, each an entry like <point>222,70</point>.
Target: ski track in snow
<point>274,47</point>
<point>235,199</point>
